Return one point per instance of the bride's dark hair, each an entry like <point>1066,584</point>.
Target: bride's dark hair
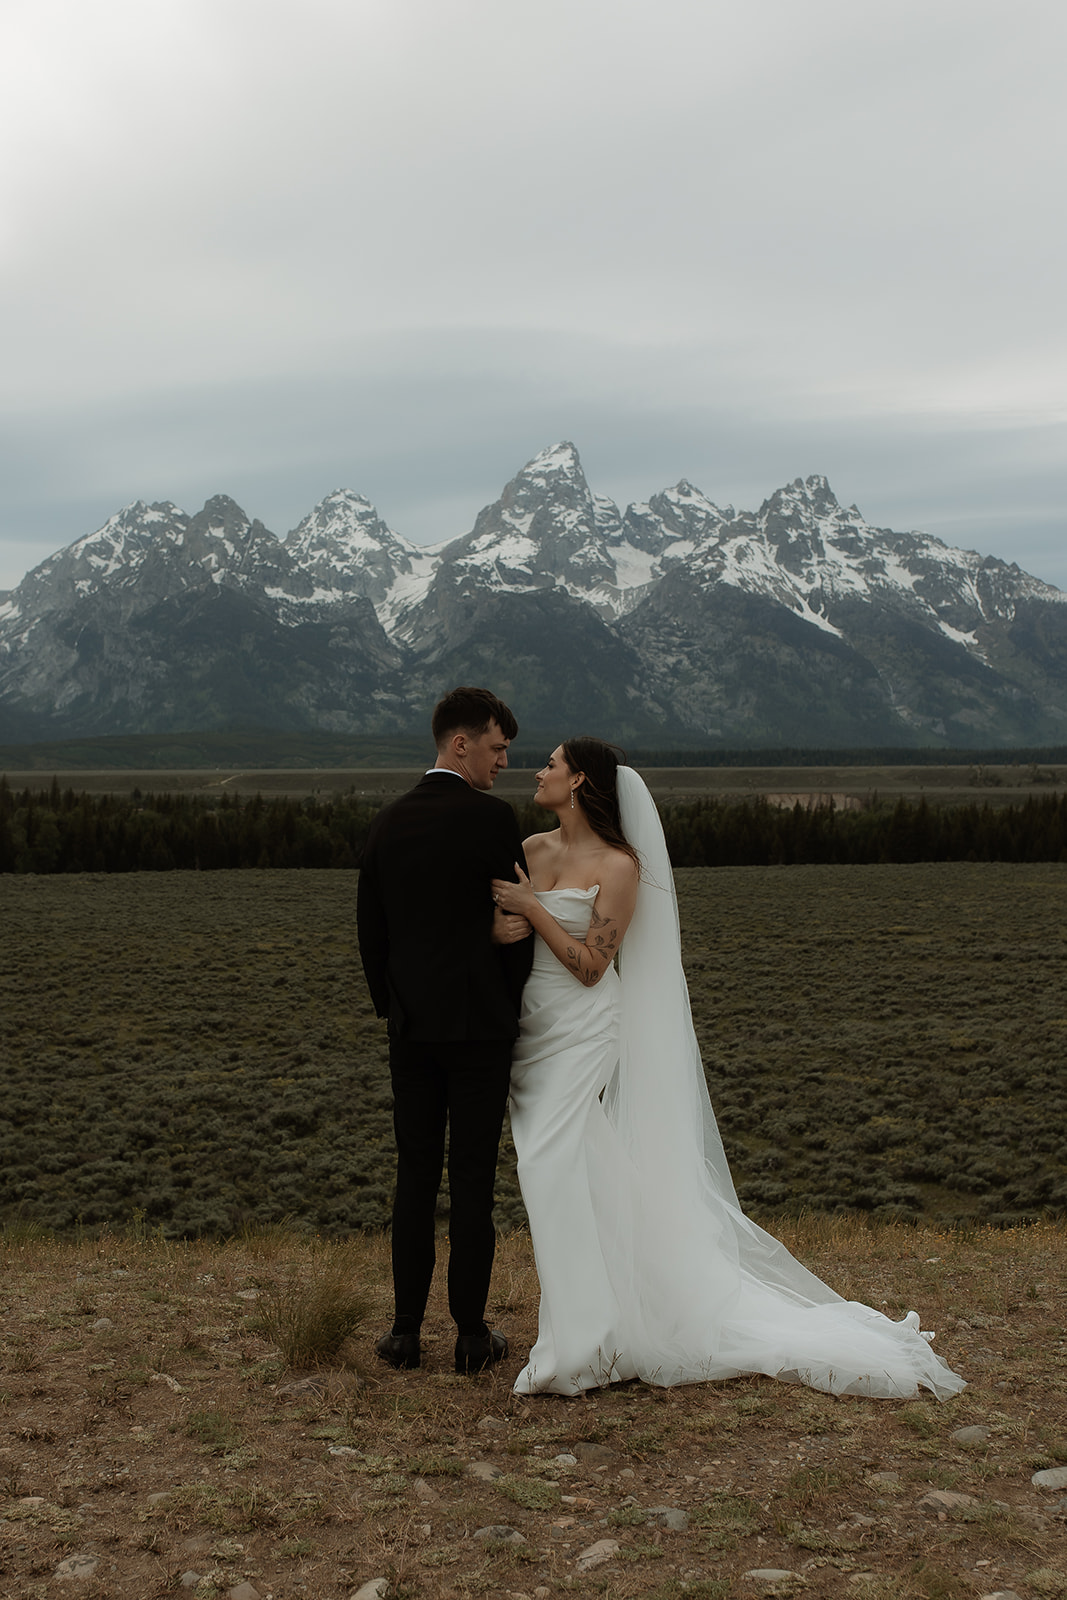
<point>598,796</point>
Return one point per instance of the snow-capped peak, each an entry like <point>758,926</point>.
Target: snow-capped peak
<point>343,520</point>
<point>112,555</point>
<point>556,461</point>
<point>805,550</point>
<point>345,548</point>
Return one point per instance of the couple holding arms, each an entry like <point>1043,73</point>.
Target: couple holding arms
<point>550,973</point>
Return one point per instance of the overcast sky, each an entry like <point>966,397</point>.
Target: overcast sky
<point>270,248</point>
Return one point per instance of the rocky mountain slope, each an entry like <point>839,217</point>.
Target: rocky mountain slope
<point>676,619</point>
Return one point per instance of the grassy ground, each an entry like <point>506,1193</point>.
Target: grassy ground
<point>200,1047</point>
<point>149,1421</point>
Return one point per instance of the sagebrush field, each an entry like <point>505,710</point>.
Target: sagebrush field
<point>193,1053</point>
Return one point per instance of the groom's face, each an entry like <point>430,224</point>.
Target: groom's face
<point>485,754</point>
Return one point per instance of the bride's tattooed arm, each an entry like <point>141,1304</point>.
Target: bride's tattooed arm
<point>590,960</point>
<point>587,959</point>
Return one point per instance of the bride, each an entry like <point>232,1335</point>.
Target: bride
<point>647,1264</point>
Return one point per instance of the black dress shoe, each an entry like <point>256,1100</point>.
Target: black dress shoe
<point>476,1351</point>
<point>400,1349</point>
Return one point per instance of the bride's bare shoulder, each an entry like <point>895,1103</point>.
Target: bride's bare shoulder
<point>618,867</point>
<point>538,845</point>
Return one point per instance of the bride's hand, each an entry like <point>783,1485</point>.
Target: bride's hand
<point>517,898</point>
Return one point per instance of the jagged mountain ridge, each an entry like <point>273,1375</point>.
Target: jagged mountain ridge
<point>799,622</point>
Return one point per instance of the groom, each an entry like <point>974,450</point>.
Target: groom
<point>447,971</point>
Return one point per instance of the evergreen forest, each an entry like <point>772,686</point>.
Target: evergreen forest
<point>54,830</point>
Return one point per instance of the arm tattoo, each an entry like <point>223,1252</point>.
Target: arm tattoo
<point>574,961</point>
<point>600,948</point>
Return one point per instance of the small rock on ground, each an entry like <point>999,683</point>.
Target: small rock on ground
<point>500,1533</point>
<point>1050,1478</point>
<point>594,1455</point>
<point>946,1500</point>
<point>77,1567</point>
<point>189,1580</point>
<point>164,1377</point>
<point>975,1435</point>
<point>376,1589</point>
<point>322,1386</point>
<point>671,1517</point>
<point>242,1591</point>
<point>769,1574</point>
<point>486,1470</point>
<point>596,1554</point>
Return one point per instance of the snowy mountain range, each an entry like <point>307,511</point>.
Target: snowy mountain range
<point>676,620</point>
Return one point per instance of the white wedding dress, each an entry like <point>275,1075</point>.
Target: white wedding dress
<point>648,1266</point>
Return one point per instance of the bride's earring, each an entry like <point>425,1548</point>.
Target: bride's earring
<point>572,799</point>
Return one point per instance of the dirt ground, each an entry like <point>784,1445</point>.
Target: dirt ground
<point>153,1440</point>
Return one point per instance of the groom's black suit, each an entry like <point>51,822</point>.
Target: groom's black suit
<point>451,996</point>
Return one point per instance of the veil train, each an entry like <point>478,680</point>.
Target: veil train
<point>705,1292</point>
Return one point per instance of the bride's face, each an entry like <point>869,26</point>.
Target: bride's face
<point>554,782</point>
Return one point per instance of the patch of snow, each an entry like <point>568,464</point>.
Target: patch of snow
<point>317,596</point>
<point>818,619</point>
<point>513,549</point>
<point>518,522</point>
<point>408,588</point>
<point>968,640</point>
<point>633,568</point>
<point>894,572</point>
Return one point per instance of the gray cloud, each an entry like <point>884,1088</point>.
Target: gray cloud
<point>270,249</point>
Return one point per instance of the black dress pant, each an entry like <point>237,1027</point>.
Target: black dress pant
<point>464,1086</point>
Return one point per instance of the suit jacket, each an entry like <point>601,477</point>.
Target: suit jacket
<point>425,914</point>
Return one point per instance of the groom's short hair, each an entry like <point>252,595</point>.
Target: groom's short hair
<point>470,711</point>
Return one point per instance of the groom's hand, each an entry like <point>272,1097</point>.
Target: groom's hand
<point>509,929</point>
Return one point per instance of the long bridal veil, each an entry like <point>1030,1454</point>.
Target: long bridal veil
<point>706,1292</point>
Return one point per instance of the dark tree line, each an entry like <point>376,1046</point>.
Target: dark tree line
<point>717,833</point>
<point>53,831</point>
<point>49,831</point>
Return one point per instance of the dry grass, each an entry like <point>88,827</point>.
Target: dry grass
<point>148,1418</point>
<point>313,1316</point>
